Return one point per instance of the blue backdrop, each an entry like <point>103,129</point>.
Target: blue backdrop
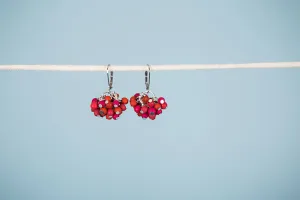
<point>227,134</point>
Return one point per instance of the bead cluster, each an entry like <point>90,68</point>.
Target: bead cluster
<point>147,107</point>
<point>109,105</point>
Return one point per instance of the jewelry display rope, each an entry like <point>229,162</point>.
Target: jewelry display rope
<point>93,68</point>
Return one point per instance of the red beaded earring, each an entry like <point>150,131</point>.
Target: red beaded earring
<point>146,104</point>
<point>109,105</point>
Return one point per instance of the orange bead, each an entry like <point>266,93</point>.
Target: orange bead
<point>157,106</point>
<point>103,111</point>
<point>133,103</point>
<point>124,100</point>
<point>118,110</point>
<point>107,98</point>
<point>145,99</point>
<point>132,98</point>
<point>108,117</point>
<point>109,105</point>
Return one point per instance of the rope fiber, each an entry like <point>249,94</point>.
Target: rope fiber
<point>93,68</point>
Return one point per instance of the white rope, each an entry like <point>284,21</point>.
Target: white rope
<point>92,68</point>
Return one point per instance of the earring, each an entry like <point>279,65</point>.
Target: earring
<point>108,104</point>
<point>146,104</point>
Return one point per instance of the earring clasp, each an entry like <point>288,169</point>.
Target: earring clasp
<point>147,78</point>
<point>110,77</point>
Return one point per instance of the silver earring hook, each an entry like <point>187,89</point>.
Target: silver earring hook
<point>110,77</point>
<point>147,77</point>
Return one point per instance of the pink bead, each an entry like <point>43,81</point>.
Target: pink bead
<point>158,112</point>
<point>116,103</point>
<point>152,112</point>
<point>110,112</point>
<point>144,109</point>
<point>116,116</point>
<point>94,100</point>
<point>102,104</point>
<point>145,115</point>
<point>136,95</point>
<point>161,100</point>
<point>137,108</point>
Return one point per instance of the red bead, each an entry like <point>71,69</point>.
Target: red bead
<point>164,105</point>
<point>161,100</point>
<point>158,112</point>
<point>94,104</point>
<point>109,105</point>
<point>152,117</point>
<point>137,108</point>
<point>97,112</point>
<point>144,109</point>
<point>123,107</point>
<point>110,112</point>
<point>151,103</point>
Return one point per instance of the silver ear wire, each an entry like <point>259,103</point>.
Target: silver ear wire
<point>147,78</point>
<point>110,77</point>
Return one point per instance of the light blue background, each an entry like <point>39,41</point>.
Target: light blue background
<point>227,134</point>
